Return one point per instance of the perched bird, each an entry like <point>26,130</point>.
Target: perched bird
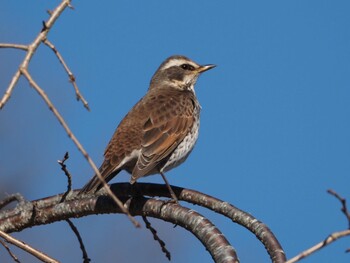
<point>160,131</point>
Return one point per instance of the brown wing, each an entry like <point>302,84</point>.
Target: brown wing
<point>169,123</point>
<point>126,138</point>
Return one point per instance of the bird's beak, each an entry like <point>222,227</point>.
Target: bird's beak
<point>205,68</point>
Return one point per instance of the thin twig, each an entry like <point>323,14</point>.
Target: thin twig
<point>20,244</point>
<point>71,6</point>
<point>15,46</point>
<point>330,239</point>
<point>69,72</point>
<point>10,89</point>
<point>344,208</point>
<point>77,143</point>
<point>157,238</point>
<point>68,175</point>
<point>81,243</point>
<point>31,48</point>
<point>13,256</point>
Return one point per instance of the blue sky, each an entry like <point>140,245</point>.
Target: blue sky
<point>274,126</point>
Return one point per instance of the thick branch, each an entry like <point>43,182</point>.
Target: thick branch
<point>12,198</point>
<point>123,190</point>
<point>49,210</point>
<point>260,230</point>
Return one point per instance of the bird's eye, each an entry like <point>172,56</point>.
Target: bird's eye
<point>187,67</point>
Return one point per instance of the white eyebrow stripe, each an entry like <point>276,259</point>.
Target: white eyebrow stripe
<point>178,62</point>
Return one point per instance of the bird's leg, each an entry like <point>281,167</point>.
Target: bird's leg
<point>173,196</point>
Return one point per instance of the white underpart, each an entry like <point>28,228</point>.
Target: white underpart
<point>185,147</point>
<point>180,85</point>
<point>134,155</point>
<point>190,81</point>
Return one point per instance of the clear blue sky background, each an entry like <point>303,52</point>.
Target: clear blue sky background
<point>274,127</point>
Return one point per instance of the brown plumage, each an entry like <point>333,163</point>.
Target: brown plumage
<point>160,131</point>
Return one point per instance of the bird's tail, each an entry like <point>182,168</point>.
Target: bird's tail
<point>92,186</point>
<point>95,184</point>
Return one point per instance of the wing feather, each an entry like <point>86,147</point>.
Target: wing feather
<point>163,132</point>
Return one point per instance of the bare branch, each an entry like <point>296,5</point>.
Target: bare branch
<point>10,222</point>
<point>344,208</point>
<point>10,89</point>
<point>124,191</point>
<point>330,239</point>
<point>15,46</point>
<point>23,70</point>
<point>157,238</point>
<point>11,198</point>
<point>70,74</point>
<point>36,253</point>
<point>71,6</point>
<point>68,175</point>
<point>81,243</point>
<point>32,48</point>
<point>76,142</point>
<point>50,210</point>
<point>260,230</point>
<point>13,256</point>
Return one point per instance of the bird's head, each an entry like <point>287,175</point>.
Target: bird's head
<point>178,72</point>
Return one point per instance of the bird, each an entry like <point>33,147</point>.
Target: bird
<point>160,131</point>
